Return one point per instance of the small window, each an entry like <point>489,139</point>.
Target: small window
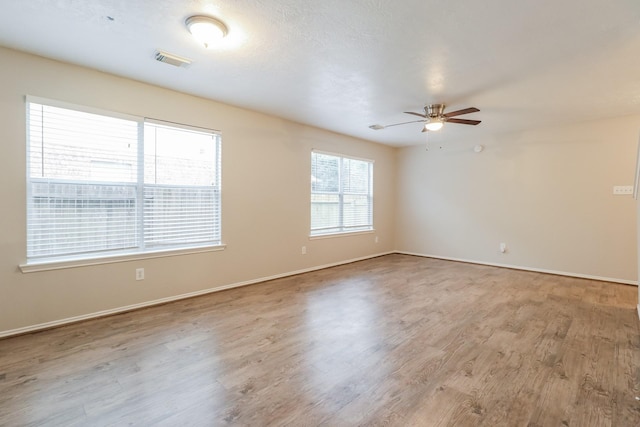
<point>103,184</point>
<point>341,194</point>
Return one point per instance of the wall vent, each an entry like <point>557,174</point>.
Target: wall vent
<point>175,60</point>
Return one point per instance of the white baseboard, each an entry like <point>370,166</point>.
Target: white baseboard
<point>536,270</point>
<point>103,313</point>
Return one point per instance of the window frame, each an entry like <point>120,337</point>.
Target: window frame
<point>140,252</point>
<point>365,229</point>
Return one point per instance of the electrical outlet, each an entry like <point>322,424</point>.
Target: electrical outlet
<point>304,250</point>
<point>139,273</point>
<point>503,247</point>
<point>622,189</point>
<point>376,239</point>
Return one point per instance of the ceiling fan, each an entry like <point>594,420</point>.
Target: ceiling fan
<point>434,118</point>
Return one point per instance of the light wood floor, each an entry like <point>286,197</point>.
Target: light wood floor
<point>396,340</point>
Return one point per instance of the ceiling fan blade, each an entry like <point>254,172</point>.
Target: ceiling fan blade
<point>415,114</point>
<point>461,112</point>
<point>463,121</point>
<point>424,129</point>
<point>404,123</point>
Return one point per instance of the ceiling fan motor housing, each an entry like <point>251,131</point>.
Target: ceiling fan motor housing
<point>434,110</point>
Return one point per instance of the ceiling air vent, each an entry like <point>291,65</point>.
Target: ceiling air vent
<point>174,60</point>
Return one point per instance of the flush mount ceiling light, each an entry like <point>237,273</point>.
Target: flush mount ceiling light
<point>206,30</point>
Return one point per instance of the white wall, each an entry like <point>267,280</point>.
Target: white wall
<point>265,177</point>
<point>547,194</point>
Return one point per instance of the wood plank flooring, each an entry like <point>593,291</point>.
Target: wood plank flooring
<point>396,340</point>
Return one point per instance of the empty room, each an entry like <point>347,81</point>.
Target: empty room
<point>251,213</point>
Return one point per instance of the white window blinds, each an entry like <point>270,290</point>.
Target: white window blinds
<point>341,194</point>
<point>101,184</point>
<point>181,187</point>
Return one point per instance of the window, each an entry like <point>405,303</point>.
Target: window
<point>341,194</point>
<point>105,184</point>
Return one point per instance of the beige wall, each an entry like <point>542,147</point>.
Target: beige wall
<point>265,176</point>
<point>547,194</point>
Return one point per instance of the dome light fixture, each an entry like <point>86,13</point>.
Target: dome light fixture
<point>206,30</point>
<point>434,124</point>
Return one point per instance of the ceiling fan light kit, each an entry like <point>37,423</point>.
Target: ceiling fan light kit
<point>434,118</point>
<point>433,125</point>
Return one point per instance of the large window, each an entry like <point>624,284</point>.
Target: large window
<point>341,194</point>
<point>104,184</point>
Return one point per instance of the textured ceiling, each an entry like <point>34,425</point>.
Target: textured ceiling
<point>345,65</point>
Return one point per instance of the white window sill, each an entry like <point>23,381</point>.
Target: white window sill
<point>62,263</point>
<point>340,234</point>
